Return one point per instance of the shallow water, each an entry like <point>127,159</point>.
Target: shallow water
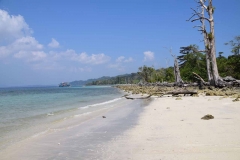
<point>28,111</point>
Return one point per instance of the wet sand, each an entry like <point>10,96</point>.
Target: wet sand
<point>82,137</point>
<point>165,129</point>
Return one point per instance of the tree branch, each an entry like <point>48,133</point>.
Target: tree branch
<point>201,2</point>
<point>202,51</point>
<point>199,27</point>
<point>194,14</point>
<point>200,18</point>
<point>199,77</point>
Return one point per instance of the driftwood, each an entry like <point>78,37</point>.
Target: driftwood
<point>173,93</point>
<point>132,98</point>
<point>222,82</point>
<point>182,92</point>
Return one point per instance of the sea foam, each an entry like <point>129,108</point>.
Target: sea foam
<point>102,103</point>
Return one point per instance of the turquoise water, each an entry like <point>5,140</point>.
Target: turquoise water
<point>25,111</point>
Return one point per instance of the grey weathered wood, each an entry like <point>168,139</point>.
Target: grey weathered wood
<point>177,76</point>
<point>209,41</point>
<point>206,43</point>
<point>217,79</point>
<point>182,92</point>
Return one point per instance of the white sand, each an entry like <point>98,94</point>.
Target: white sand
<point>173,129</point>
<point>167,129</point>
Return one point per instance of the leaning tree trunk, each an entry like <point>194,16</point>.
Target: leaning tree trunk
<point>211,37</point>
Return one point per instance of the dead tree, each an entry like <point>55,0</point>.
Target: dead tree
<point>209,40</point>
<point>206,43</point>
<point>178,79</point>
<point>177,76</point>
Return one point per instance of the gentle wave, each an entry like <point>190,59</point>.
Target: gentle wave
<point>50,114</point>
<point>40,133</point>
<point>84,107</point>
<point>99,104</point>
<point>82,114</point>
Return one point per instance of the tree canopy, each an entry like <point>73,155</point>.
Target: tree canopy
<point>190,61</point>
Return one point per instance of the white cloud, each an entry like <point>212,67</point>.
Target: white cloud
<point>54,43</point>
<point>25,47</point>
<point>17,43</point>
<point>4,51</point>
<point>130,59</point>
<point>148,56</point>
<point>83,57</point>
<point>16,39</point>
<point>123,59</point>
<point>31,56</point>
<point>37,55</point>
<point>12,27</point>
<point>120,63</point>
<point>80,69</point>
<point>120,59</point>
<point>48,65</point>
<point>26,43</point>
<point>117,66</point>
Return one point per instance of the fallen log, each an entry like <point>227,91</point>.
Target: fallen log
<point>182,92</point>
<point>136,97</point>
<point>173,93</point>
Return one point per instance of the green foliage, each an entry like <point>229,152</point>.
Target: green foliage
<point>229,66</point>
<point>149,74</point>
<point>213,9</point>
<point>220,54</point>
<point>132,78</point>
<point>235,43</point>
<point>222,66</point>
<point>210,36</point>
<point>192,61</point>
<point>146,73</point>
<point>169,74</point>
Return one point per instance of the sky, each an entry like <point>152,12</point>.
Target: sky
<point>45,42</point>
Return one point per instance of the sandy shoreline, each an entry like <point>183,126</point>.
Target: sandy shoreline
<point>81,137</point>
<point>173,129</point>
<point>165,129</point>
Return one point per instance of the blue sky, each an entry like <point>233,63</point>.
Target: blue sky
<point>45,42</point>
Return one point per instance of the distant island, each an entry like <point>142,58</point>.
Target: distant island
<point>107,80</point>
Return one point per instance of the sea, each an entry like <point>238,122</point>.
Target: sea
<point>29,111</point>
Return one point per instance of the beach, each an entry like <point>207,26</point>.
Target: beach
<point>173,129</point>
<point>150,129</point>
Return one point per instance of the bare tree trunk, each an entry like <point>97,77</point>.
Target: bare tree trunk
<point>178,79</point>
<point>209,40</point>
<point>177,75</point>
<point>206,43</point>
<point>211,37</point>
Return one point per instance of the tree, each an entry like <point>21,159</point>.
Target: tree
<point>209,39</point>
<point>233,64</point>
<point>223,66</point>
<point>146,73</point>
<point>235,45</point>
<point>190,61</point>
<point>177,76</point>
<point>160,75</point>
<point>169,74</point>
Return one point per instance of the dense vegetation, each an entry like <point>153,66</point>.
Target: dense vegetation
<point>190,60</point>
